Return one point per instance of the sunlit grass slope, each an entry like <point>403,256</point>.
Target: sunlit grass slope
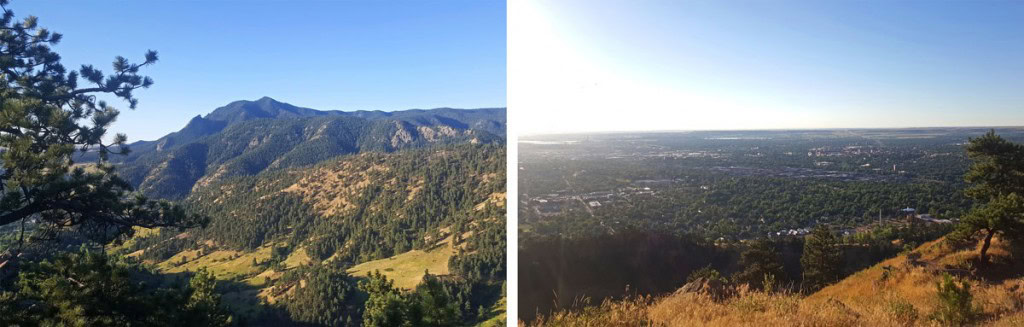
<point>900,291</point>
<point>407,269</point>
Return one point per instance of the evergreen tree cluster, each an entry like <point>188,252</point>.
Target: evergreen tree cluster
<point>46,117</point>
<point>90,288</point>
<point>454,200</point>
<point>436,301</point>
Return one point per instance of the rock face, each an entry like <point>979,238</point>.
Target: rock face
<point>714,288</point>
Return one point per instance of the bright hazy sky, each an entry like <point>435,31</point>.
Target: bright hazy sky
<point>345,55</point>
<point>586,65</point>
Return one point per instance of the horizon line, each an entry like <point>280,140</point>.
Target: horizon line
<point>768,130</point>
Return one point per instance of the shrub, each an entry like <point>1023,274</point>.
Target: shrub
<point>956,307</point>
<point>901,310</point>
<point>708,273</point>
<point>769,283</point>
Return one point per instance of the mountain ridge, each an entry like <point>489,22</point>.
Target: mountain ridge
<point>248,137</point>
<point>267,107</point>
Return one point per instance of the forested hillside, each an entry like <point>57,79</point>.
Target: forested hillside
<point>248,137</point>
<point>307,226</point>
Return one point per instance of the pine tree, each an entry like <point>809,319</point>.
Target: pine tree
<point>821,259</point>
<point>386,307</point>
<point>45,118</point>
<point>438,308</point>
<point>203,306</point>
<point>761,259</point>
<point>956,305</point>
<point>997,178</point>
<point>90,288</point>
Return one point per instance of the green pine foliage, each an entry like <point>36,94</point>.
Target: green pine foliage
<point>761,262</point>
<point>90,288</point>
<point>483,258</point>
<point>996,178</point>
<point>707,273</point>
<point>437,303</point>
<point>324,296</point>
<point>956,306</point>
<point>821,259</point>
<point>46,117</point>
<point>203,306</point>
<point>386,305</point>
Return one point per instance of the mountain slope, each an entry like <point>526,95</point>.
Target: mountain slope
<point>352,209</point>
<point>440,209</point>
<point>248,137</point>
<point>899,291</point>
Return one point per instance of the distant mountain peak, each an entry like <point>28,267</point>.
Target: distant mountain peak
<point>268,100</point>
<point>230,141</point>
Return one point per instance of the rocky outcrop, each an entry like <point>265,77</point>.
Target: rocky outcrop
<point>716,289</point>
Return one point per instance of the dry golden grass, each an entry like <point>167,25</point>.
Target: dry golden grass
<point>407,269</point>
<point>624,313</point>
<point>332,189</point>
<point>224,264</point>
<point>298,258</point>
<point>497,199</point>
<point>905,296</point>
<point>754,309</point>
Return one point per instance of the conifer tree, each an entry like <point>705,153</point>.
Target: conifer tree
<point>759,261</point>
<point>821,259</point>
<point>956,305</point>
<point>386,307</point>
<point>90,288</point>
<point>203,308</point>
<point>996,175</point>
<point>46,117</point>
<point>435,305</point>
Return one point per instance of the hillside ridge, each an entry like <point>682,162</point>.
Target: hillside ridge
<point>899,291</point>
<point>249,137</point>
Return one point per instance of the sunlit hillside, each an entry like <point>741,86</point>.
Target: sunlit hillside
<point>404,214</point>
<point>901,291</point>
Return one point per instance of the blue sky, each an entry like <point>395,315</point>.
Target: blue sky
<point>682,65</point>
<point>346,55</point>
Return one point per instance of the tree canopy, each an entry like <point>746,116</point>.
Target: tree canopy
<point>46,116</point>
<point>996,176</point>
<point>821,260</point>
<point>90,288</point>
<point>761,261</point>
